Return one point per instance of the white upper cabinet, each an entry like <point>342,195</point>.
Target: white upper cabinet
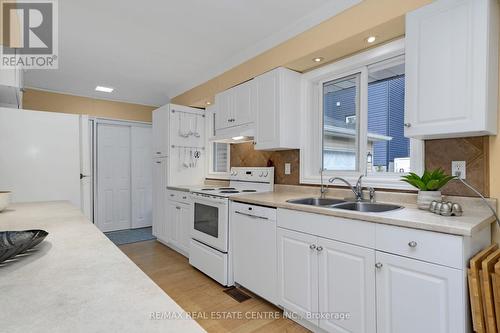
<point>234,106</point>
<point>160,131</point>
<point>452,69</point>
<point>277,104</point>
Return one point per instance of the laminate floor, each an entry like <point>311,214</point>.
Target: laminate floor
<point>196,293</point>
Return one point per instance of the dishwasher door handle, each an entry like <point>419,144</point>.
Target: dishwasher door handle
<point>250,215</point>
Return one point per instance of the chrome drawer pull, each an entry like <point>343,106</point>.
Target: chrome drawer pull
<point>412,244</point>
<point>378,265</point>
<point>312,246</point>
<point>319,248</point>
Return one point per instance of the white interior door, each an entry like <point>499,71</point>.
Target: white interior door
<point>142,176</point>
<point>113,177</point>
<point>40,155</point>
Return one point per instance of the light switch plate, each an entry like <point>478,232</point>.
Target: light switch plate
<point>288,168</point>
<point>459,167</point>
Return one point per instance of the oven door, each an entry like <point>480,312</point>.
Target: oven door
<point>210,225</point>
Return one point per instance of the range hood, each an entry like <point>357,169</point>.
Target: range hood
<point>238,134</point>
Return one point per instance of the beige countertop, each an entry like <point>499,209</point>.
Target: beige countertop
<point>77,280</point>
<point>476,214</point>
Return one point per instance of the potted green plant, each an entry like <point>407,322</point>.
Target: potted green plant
<point>428,185</point>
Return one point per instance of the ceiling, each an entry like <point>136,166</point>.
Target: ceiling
<point>152,50</point>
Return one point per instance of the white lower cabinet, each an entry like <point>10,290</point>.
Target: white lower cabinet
<point>369,277</point>
<point>330,284</point>
<point>415,296</point>
<point>160,170</point>
<point>298,272</point>
<point>346,287</point>
<point>179,217</point>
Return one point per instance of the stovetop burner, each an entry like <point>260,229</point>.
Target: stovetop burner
<point>208,189</point>
<point>226,188</point>
<point>248,190</point>
<point>229,191</point>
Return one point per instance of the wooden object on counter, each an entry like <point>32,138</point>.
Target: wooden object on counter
<point>488,265</point>
<point>475,288</point>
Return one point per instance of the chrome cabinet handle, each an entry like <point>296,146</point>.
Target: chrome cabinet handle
<point>172,195</point>
<point>407,125</point>
<point>249,215</point>
<point>158,162</point>
<point>177,207</point>
<point>158,152</point>
<point>412,244</point>
<point>319,248</point>
<point>378,265</point>
<point>312,246</point>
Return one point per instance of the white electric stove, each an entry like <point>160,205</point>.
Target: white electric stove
<point>209,249</point>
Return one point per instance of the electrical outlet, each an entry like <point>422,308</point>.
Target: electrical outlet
<point>458,168</point>
<point>288,168</point>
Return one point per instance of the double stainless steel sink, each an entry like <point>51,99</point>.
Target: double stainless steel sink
<point>359,206</point>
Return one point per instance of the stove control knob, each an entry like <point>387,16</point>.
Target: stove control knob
<point>267,173</point>
<point>261,174</point>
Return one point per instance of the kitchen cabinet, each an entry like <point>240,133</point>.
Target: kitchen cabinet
<point>325,276</point>
<point>277,108</point>
<point>160,170</point>
<point>374,277</point>
<point>179,216</point>
<point>234,106</point>
<point>451,69</point>
<point>415,296</point>
<point>160,131</point>
<point>297,272</point>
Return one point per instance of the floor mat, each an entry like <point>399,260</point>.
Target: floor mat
<point>128,236</point>
<point>237,294</point>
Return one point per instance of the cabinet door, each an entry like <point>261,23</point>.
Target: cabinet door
<point>160,131</point>
<point>174,222</point>
<point>448,88</point>
<point>298,272</point>
<point>160,169</point>
<point>223,116</point>
<point>242,106</point>
<point>415,296</point>
<point>266,103</point>
<point>346,287</point>
<point>186,219</point>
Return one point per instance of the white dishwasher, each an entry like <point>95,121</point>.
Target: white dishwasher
<point>253,242</point>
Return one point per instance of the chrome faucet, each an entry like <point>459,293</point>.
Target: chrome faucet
<point>324,188</point>
<point>357,189</point>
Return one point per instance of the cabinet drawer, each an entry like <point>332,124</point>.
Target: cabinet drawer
<point>428,246</point>
<point>179,196</point>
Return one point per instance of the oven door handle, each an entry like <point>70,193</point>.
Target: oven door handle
<point>250,215</point>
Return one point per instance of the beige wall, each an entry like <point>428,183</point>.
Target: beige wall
<point>56,102</point>
<point>337,37</point>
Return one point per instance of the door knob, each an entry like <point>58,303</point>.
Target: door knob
<point>407,125</point>
<point>379,265</point>
<point>319,248</point>
<point>312,246</point>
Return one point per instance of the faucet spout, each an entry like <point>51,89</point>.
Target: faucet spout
<point>357,189</point>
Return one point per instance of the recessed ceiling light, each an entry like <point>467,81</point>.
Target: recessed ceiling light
<point>208,103</point>
<point>371,39</point>
<point>104,89</point>
<point>318,59</point>
<point>236,138</point>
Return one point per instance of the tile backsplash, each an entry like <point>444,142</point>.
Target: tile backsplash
<point>438,153</point>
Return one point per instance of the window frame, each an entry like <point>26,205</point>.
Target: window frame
<point>210,130</point>
<point>311,152</point>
